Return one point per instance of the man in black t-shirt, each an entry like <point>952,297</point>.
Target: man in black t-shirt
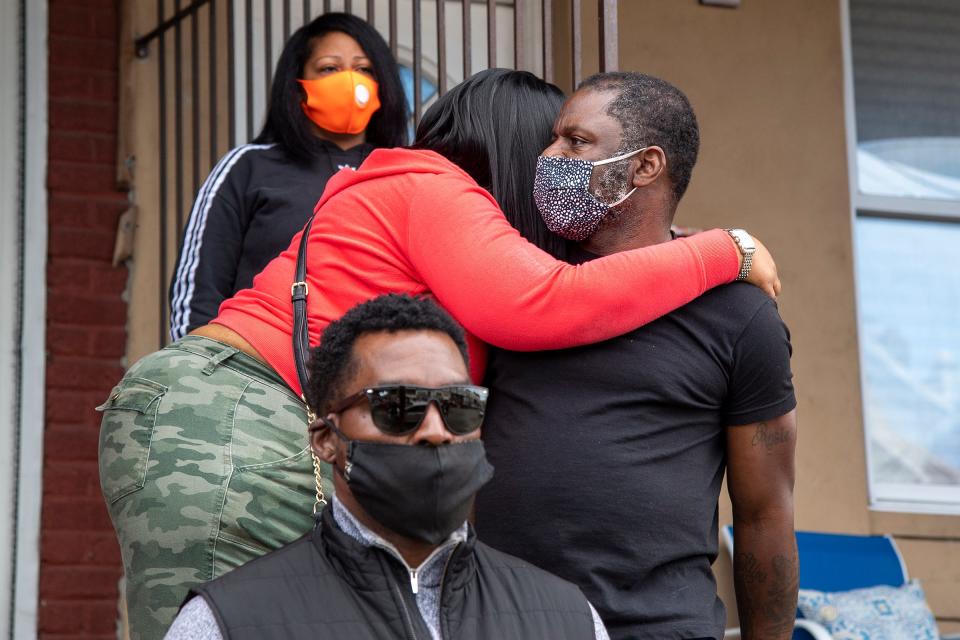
<point>610,457</point>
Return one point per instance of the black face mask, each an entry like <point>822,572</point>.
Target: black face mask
<point>419,491</point>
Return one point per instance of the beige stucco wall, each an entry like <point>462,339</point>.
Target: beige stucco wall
<point>767,82</point>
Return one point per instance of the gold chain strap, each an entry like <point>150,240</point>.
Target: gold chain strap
<point>320,499</point>
<point>311,416</point>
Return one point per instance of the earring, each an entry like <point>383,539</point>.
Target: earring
<point>320,499</point>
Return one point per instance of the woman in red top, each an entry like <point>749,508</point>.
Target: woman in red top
<point>204,454</point>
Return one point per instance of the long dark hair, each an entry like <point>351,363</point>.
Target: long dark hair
<point>286,123</point>
<point>493,126</point>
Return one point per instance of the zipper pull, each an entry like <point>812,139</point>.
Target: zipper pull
<point>414,583</point>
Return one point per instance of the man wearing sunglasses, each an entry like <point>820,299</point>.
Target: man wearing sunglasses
<point>392,554</point>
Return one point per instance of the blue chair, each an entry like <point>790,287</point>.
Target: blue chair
<point>837,562</point>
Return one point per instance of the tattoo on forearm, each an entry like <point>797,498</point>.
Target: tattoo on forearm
<point>781,605</point>
<point>767,608</point>
<point>768,437</point>
<point>749,569</point>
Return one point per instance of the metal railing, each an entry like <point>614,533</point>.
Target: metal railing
<point>215,61</point>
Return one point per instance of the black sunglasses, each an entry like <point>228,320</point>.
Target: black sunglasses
<point>398,409</point>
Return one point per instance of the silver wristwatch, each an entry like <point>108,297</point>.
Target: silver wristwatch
<point>747,248</point>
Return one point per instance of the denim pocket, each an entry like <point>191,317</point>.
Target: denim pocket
<point>129,418</point>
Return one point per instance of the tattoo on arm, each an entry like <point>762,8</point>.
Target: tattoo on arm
<point>767,600</point>
<point>750,570</point>
<point>781,606</point>
<point>768,437</point>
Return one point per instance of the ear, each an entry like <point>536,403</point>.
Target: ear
<point>648,166</point>
<point>323,440</point>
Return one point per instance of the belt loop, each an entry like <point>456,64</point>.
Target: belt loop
<point>215,361</point>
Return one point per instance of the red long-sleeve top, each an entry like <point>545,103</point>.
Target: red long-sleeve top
<point>410,221</point>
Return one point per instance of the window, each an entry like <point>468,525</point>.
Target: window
<point>905,139</point>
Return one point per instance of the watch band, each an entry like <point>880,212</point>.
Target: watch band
<point>746,266</point>
<point>747,248</point>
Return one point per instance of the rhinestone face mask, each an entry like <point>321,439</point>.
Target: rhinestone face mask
<point>561,190</point>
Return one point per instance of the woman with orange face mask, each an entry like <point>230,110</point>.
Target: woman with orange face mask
<point>336,96</point>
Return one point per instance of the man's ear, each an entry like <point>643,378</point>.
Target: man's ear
<point>323,440</point>
<point>649,165</point>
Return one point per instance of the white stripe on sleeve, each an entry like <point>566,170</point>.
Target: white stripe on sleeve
<point>184,283</point>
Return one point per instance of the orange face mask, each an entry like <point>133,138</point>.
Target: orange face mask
<point>342,102</point>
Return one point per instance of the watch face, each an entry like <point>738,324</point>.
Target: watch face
<point>745,240</point>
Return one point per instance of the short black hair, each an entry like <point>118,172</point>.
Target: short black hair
<point>287,124</point>
<point>653,112</point>
<point>494,125</point>
<point>333,362</point>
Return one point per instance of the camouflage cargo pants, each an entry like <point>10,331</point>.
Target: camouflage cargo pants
<point>205,465</point>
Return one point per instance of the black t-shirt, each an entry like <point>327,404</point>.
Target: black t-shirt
<point>609,458</point>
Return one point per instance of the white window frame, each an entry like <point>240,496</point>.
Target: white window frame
<point>22,332</point>
<point>887,496</point>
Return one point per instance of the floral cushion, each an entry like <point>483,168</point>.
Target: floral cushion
<point>875,613</point>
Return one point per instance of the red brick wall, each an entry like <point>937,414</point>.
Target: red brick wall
<point>80,561</point>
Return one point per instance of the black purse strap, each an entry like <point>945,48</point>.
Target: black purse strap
<point>298,294</point>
